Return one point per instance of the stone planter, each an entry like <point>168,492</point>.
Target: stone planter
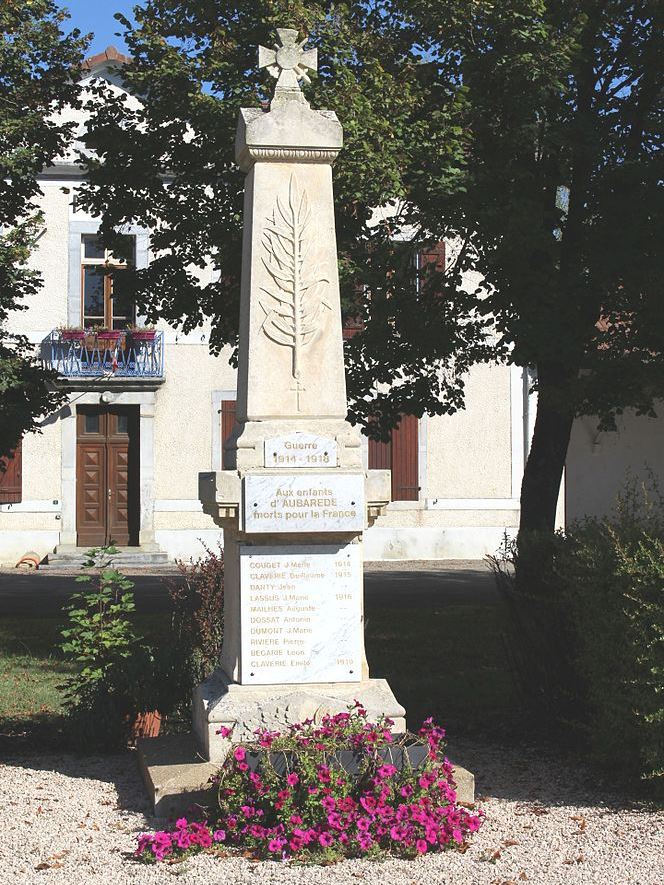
<point>412,756</point>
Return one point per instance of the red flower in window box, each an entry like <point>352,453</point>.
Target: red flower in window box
<point>110,334</point>
<point>72,334</point>
<point>143,334</point>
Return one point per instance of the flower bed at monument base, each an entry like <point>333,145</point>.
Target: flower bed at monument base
<point>344,787</point>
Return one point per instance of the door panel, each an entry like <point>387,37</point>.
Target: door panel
<point>91,494</point>
<point>107,476</point>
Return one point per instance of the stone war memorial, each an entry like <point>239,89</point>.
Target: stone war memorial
<point>293,498</point>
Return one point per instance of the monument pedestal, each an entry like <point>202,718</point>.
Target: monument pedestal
<point>244,708</point>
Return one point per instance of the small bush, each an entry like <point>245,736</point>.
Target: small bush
<point>588,638</point>
<point>196,630</point>
<point>113,681</point>
<point>319,793</point>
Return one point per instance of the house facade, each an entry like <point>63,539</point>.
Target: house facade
<point>148,411</point>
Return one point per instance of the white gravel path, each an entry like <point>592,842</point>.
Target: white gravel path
<point>67,820</point>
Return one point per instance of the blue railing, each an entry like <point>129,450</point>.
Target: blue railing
<point>94,357</point>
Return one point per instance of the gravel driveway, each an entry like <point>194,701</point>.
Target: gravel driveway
<point>70,820</point>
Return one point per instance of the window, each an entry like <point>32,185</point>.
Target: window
<point>432,260</point>
<point>11,477</point>
<point>100,308</point>
<point>399,455</point>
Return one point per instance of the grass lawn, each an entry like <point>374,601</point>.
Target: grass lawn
<point>30,670</point>
<point>449,663</point>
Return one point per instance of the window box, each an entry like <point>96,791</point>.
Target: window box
<point>143,334</point>
<point>72,334</point>
<point>110,334</point>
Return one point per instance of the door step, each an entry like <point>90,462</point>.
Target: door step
<point>127,559</point>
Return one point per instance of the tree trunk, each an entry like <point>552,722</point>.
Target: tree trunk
<point>548,451</point>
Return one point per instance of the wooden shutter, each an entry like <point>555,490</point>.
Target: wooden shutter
<point>227,423</point>
<point>11,486</point>
<point>405,485</point>
<point>432,260</point>
<point>380,455</point>
<point>400,455</point>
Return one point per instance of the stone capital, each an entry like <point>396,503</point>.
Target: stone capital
<point>290,133</point>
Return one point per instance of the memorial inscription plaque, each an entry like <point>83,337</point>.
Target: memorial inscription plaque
<point>301,614</point>
<point>297,449</point>
<point>312,502</point>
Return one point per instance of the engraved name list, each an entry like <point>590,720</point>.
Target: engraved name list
<point>301,614</point>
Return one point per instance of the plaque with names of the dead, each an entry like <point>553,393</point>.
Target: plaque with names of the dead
<point>298,450</point>
<point>304,502</point>
<point>301,614</point>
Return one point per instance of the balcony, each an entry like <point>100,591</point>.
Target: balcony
<point>93,356</point>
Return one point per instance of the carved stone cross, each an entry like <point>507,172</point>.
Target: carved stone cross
<point>288,63</point>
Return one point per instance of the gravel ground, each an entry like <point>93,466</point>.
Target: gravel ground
<point>67,820</point>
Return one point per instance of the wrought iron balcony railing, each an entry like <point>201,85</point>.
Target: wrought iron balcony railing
<point>94,356</point>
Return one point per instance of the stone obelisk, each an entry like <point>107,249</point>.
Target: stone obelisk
<point>293,498</point>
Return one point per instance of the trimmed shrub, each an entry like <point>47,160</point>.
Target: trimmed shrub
<point>588,630</point>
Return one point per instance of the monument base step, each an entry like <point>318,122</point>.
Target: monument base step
<point>243,708</point>
<point>177,777</point>
<point>175,774</point>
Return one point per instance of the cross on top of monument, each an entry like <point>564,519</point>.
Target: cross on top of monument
<point>288,63</point>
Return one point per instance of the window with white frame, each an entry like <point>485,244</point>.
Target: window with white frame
<point>101,307</point>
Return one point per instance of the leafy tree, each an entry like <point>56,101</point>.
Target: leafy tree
<point>560,205</point>
<point>194,65</point>
<point>524,132</point>
<point>38,64</point>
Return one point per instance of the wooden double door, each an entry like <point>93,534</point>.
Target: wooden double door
<point>107,476</point>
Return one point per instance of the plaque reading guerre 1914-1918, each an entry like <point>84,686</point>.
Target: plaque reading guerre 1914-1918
<point>311,502</point>
<point>301,614</point>
<point>301,450</point>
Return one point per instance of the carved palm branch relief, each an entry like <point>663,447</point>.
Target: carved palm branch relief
<point>296,304</point>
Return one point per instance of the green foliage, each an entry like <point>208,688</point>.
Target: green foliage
<point>526,133</point>
<point>193,648</point>
<point>38,73</point>
<point>113,678</point>
<point>117,672</point>
<point>196,64</point>
<point>589,631</point>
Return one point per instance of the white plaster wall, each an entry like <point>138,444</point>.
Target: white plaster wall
<point>455,542</point>
<point>598,463</point>
<point>469,453</point>
<point>427,517</point>
<point>184,418</point>
<point>41,461</point>
<point>47,309</point>
<point>186,544</point>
